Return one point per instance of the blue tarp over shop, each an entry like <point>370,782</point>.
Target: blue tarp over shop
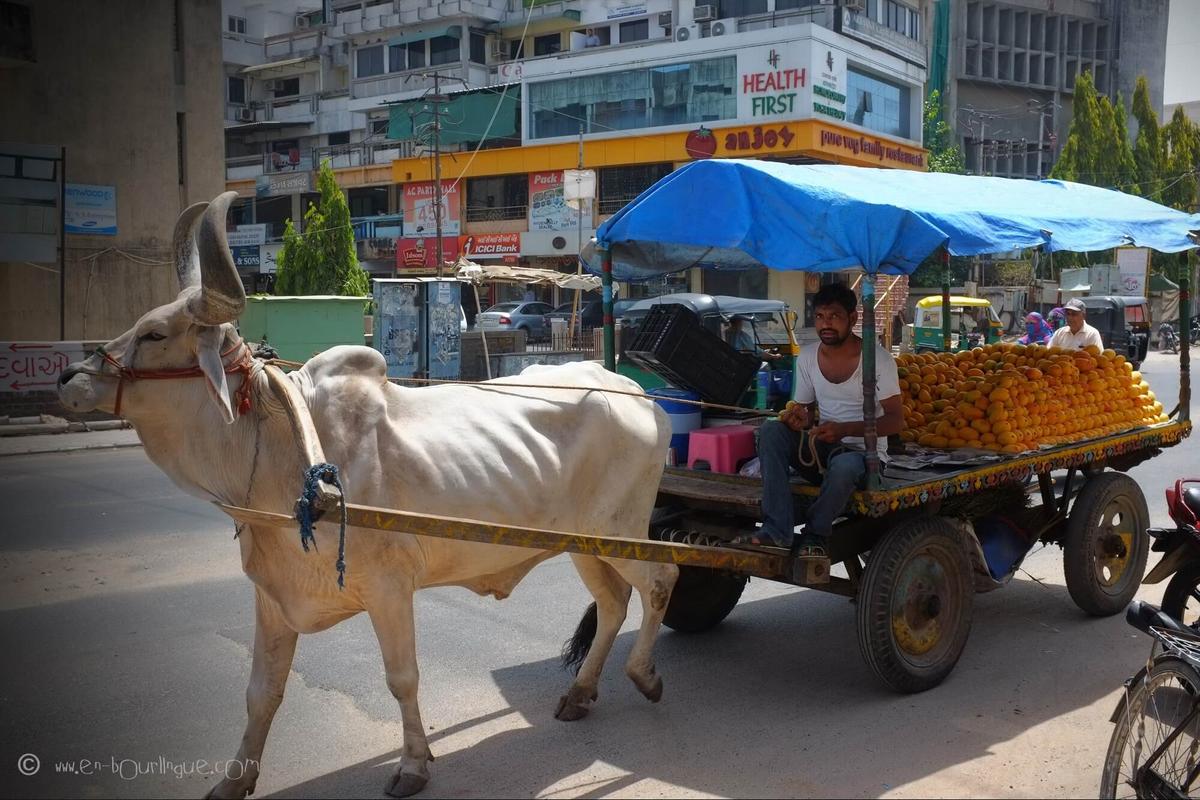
<point>739,214</point>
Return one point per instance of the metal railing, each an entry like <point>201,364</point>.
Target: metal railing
<point>362,153</point>
<point>495,213</point>
<point>613,204</point>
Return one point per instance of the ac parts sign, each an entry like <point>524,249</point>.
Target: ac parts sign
<point>490,245</point>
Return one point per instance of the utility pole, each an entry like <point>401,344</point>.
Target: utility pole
<point>437,99</point>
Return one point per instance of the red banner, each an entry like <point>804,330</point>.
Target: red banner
<point>421,253</point>
<point>490,245</point>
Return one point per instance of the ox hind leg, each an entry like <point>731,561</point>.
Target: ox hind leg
<point>592,642</point>
<point>274,648</point>
<point>392,617</point>
<point>654,583</point>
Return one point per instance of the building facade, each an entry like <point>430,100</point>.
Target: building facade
<point>515,93</point>
<point>1007,71</point>
<point>139,124</point>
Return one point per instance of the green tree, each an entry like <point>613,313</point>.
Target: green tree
<point>1181,143</point>
<point>1082,158</point>
<point>944,153</point>
<point>1147,148</point>
<point>322,259</point>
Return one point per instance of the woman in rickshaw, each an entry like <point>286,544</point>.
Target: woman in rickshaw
<point>1037,330</point>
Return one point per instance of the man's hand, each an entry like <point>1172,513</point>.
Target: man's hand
<point>831,432</point>
<point>795,416</point>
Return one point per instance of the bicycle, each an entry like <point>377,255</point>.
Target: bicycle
<point>1154,751</point>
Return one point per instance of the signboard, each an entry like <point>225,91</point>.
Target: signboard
<point>35,366</point>
<point>421,252</point>
<point>548,209</point>
<point>278,183</point>
<point>828,82</point>
<point>490,245</point>
<point>773,82</point>
<point>419,215</point>
<point>619,10</point>
<point>246,256</point>
<point>91,209</point>
<point>864,147</point>
<point>862,27</point>
<point>247,235</point>
<point>1134,263</point>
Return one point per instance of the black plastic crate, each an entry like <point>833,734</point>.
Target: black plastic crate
<point>672,344</point>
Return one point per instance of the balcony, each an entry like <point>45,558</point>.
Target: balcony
<point>362,154</point>
<point>240,168</point>
<point>495,213</point>
<point>381,226</point>
<point>297,44</point>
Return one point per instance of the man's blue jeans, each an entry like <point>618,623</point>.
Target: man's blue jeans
<point>778,449</point>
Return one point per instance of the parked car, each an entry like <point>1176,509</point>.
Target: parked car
<point>527,316</point>
<point>591,314</point>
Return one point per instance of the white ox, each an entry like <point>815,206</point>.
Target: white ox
<point>578,461</point>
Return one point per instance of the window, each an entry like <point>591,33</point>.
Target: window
<point>501,197</point>
<point>478,48</point>
<point>516,49</point>
<point>595,37</point>
<point>236,90</point>
<point>286,87</point>
<point>406,56</point>
<point>379,127</point>
<point>751,283</point>
<point>619,185</point>
<point>636,31</point>
<point>784,5</point>
<point>1135,313</point>
<point>370,61</point>
<point>236,24</point>
<point>16,32</point>
<point>678,94</point>
<point>339,137</point>
<point>443,50</point>
<point>367,201</point>
<point>547,45</point>
<point>877,104</point>
<point>742,8</point>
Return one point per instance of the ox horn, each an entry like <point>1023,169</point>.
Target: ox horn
<point>222,296</point>
<point>187,257</point>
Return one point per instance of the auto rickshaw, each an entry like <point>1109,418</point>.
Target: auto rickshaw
<point>1123,322</point>
<point>973,323</point>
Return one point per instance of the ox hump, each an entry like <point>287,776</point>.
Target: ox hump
<point>347,361</point>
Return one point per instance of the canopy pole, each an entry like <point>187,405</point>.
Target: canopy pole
<point>870,437</point>
<point>945,300</point>
<point>610,351</point>
<point>1185,333</point>
<point>487,359</point>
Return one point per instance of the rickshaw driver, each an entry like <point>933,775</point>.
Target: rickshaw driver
<point>828,380</point>
<point>1076,334</point>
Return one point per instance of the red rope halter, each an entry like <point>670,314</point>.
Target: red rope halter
<point>242,364</point>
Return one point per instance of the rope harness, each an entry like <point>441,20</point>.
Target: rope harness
<point>304,507</point>
<point>242,364</point>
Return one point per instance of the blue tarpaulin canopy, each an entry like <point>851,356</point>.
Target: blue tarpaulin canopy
<point>739,214</point>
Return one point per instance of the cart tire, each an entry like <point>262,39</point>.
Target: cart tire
<point>1180,599</point>
<point>914,604</point>
<point>1106,544</point>
<point>702,598</point>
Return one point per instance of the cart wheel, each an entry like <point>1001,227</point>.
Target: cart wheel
<point>1105,547</point>
<point>914,604</point>
<point>702,598</point>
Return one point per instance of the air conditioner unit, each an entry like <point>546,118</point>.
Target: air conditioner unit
<point>302,21</point>
<point>245,115</point>
<point>664,19</point>
<point>683,33</point>
<point>704,13</point>
<point>721,28</point>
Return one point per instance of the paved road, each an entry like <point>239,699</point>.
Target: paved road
<point>127,628</point>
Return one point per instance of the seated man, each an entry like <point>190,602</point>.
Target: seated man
<point>1076,334</point>
<point>743,340</point>
<point>828,380</point>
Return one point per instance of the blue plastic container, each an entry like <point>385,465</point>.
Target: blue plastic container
<point>685,418</point>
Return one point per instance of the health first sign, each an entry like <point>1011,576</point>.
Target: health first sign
<point>35,366</point>
<point>792,81</point>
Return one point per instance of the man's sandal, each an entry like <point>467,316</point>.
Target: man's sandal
<point>809,546</point>
<point>755,539</point>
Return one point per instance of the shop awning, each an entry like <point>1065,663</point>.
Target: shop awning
<point>1161,283</point>
<point>465,117</point>
<point>453,31</point>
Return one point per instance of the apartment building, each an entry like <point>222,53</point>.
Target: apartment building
<point>1010,70</point>
<point>525,89</point>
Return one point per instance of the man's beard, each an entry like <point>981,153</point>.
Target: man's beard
<point>829,336</point>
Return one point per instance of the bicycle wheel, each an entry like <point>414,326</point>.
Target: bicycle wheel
<point>1153,708</point>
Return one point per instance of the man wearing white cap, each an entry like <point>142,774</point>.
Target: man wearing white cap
<point>1076,334</point>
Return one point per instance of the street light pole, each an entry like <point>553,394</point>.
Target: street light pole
<point>437,170</point>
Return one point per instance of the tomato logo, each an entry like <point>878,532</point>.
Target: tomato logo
<point>700,143</point>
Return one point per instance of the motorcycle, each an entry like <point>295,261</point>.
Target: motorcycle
<point>1168,339</point>
<point>1180,547</point>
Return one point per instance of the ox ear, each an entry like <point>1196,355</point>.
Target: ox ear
<point>208,353</point>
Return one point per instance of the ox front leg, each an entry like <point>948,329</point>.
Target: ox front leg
<point>654,583</point>
<point>392,618</point>
<point>274,648</point>
<point>612,603</point>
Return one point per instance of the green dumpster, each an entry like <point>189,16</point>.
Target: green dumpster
<point>300,327</point>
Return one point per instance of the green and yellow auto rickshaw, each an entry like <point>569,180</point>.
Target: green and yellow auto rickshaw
<point>973,323</point>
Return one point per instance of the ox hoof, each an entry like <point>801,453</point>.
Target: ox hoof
<point>574,705</point>
<point>653,692</point>
<point>405,784</point>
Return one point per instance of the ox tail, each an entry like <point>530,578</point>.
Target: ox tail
<point>576,648</point>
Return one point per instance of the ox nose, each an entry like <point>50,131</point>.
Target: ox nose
<point>70,372</point>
